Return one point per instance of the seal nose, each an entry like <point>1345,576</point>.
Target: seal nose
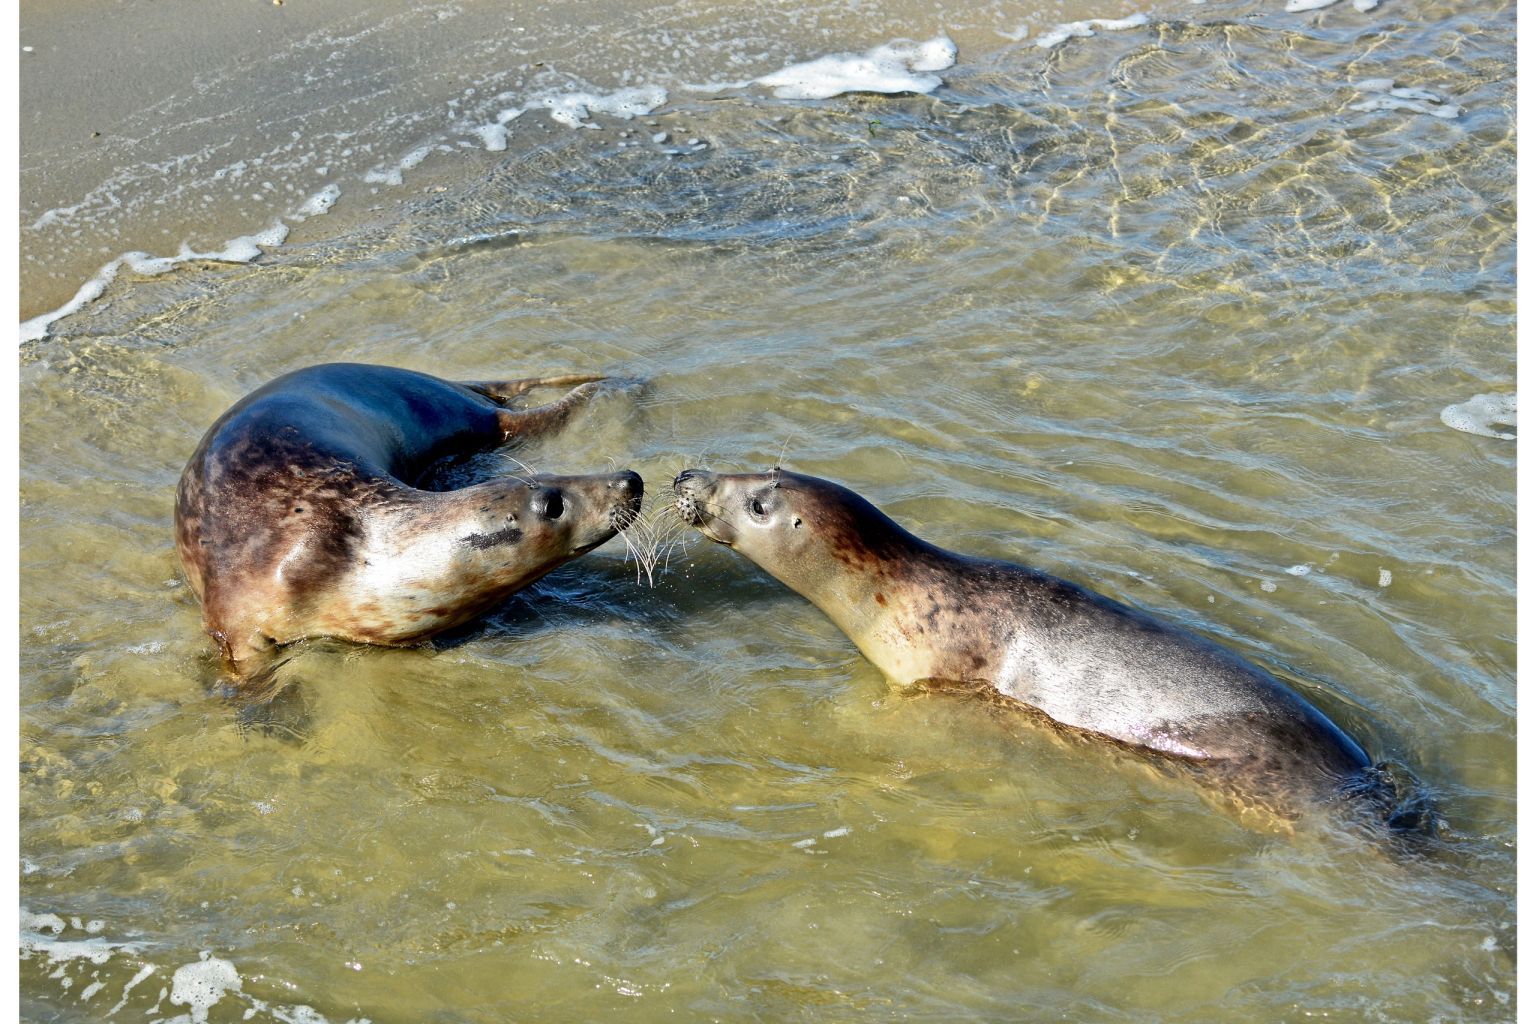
<point>684,477</point>
<point>628,483</point>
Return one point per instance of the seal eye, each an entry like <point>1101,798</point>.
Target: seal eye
<point>757,508</point>
<point>554,505</point>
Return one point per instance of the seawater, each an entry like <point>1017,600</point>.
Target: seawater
<point>1213,313</point>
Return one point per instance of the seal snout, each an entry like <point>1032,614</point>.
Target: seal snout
<point>628,490</point>
<point>687,487</point>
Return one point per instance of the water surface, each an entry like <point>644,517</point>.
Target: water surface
<point>1162,311</point>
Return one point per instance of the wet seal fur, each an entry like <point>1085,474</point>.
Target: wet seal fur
<point>1089,665</point>
<point>297,516</point>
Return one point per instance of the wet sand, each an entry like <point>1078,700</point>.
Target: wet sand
<point>145,126</point>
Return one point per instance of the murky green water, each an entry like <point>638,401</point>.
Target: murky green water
<point>1157,311</point>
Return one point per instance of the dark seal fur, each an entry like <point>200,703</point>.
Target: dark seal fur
<point>1088,664</point>
<point>297,515</point>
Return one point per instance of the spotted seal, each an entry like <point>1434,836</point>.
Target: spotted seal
<point>297,516</point>
<point>1088,664</point>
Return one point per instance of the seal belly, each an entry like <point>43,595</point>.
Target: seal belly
<point>1091,663</point>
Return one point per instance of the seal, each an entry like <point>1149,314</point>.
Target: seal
<point>297,515</point>
<point>1085,663</point>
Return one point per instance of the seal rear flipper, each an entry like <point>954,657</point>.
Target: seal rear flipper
<point>520,422</point>
<point>506,390</point>
<point>1389,795</point>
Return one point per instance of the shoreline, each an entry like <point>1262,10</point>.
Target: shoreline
<point>182,157</point>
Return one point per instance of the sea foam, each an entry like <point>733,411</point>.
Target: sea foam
<point>1483,415</point>
<point>1076,29</point>
<point>898,66</point>
<point>1385,94</point>
<point>198,986</point>
<point>237,250</point>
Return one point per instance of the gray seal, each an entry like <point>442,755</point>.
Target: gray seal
<point>1084,662</point>
<point>298,515</point>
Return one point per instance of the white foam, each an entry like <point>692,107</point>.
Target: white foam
<point>144,972</point>
<point>898,66</point>
<point>1384,578</point>
<point>396,175</point>
<point>1077,29</point>
<point>40,936</point>
<point>201,985</point>
<point>1297,6</point>
<point>573,109</point>
<point>319,203</point>
<point>1480,414</point>
<point>1386,95</point>
<point>492,136</point>
<point>236,250</point>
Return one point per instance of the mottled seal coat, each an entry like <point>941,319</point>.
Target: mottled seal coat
<point>297,516</point>
<point>1089,664</point>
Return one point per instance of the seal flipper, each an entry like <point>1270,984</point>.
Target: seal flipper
<point>1391,796</point>
<point>519,422</point>
<point>505,390</point>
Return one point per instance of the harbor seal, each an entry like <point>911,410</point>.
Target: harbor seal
<point>297,515</point>
<point>1088,664</point>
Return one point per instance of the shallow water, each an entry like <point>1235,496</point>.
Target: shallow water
<point>1158,310</point>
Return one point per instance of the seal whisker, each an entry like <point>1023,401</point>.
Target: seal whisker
<point>643,563</point>
<point>642,537</point>
<point>526,476</point>
<point>779,462</point>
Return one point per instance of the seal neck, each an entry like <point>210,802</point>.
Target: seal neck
<point>880,580</point>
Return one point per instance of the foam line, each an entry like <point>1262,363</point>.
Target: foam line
<point>1482,415</point>
<point>237,250</point>
<point>895,67</point>
<point>1078,29</point>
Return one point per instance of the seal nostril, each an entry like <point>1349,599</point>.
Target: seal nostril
<point>631,482</point>
<point>684,477</point>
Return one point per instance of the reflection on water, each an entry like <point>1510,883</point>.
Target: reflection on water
<point>1161,311</point>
